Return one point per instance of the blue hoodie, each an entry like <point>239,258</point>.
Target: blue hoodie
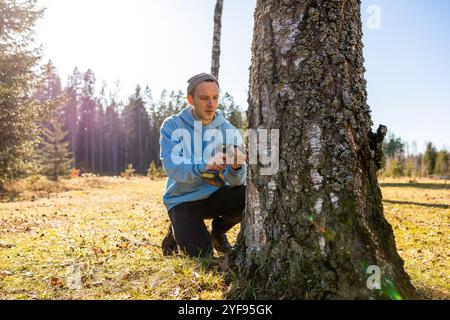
<point>184,154</point>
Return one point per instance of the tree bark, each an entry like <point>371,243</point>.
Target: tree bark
<point>215,60</point>
<point>312,230</point>
<point>141,159</point>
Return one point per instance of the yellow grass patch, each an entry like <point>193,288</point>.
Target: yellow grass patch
<point>100,239</point>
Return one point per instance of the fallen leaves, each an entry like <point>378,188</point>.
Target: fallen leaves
<point>57,283</point>
<point>119,253</point>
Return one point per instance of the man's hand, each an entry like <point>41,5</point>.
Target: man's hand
<point>216,163</point>
<point>219,162</point>
<point>238,158</point>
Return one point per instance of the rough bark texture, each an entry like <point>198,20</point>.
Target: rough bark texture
<point>215,60</point>
<point>311,230</point>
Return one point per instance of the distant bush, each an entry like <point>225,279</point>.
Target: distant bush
<point>34,179</point>
<point>154,172</point>
<point>151,171</point>
<point>129,172</point>
<point>160,173</point>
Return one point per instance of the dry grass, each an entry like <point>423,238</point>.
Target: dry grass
<point>420,216</point>
<point>100,239</point>
<point>37,186</point>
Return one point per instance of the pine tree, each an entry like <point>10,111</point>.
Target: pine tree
<point>136,122</point>
<point>18,113</point>
<point>73,92</point>
<point>442,163</point>
<point>112,135</point>
<point>55,155</point>
<point>151,171</point>
<point>232,112</point>
<point>179,102</point>
<point>100,128</point>
<point>86,139</point>
<point>52,151</point>
<point>155,120</point>
<point>393,147</point>
<point>430,158</point>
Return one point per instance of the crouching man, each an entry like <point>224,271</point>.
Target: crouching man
<point>206,173</point>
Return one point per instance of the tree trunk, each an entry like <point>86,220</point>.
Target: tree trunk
<point>93,146</point>
<point>141,159</point>
<point>314,229</point>
<point>86,148</point>
<point>101,143</point>
<point>73,138</point>
<point>215,61</point>
<point>115,155</point>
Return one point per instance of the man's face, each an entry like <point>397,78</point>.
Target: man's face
<point>205,101</point>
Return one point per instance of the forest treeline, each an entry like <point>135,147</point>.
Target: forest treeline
<point>99,133</point>
<point>49,127</point>
<point>400,161</point>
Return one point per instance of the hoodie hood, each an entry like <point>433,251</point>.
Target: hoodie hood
<point>188,118</point>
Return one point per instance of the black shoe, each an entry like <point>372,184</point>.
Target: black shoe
<point>220,242</point>
<point>169,244</point>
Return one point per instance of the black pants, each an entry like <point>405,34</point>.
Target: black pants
<point>225,207</point>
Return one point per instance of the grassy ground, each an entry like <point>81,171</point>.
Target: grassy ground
<point>99,238</point>
<point>420,216</point>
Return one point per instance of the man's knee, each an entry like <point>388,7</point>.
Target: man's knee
<point>191,235</point>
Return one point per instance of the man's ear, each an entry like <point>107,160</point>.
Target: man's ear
<point>190,100</point>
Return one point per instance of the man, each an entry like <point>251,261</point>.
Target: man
<point>202,185</point>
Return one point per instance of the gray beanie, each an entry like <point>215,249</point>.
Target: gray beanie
<point>197,79</point>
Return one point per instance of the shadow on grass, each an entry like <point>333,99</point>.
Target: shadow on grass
<point>433,186</point>
<point>433,205</point>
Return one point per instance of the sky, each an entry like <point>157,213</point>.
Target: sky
<point>162,43</point>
